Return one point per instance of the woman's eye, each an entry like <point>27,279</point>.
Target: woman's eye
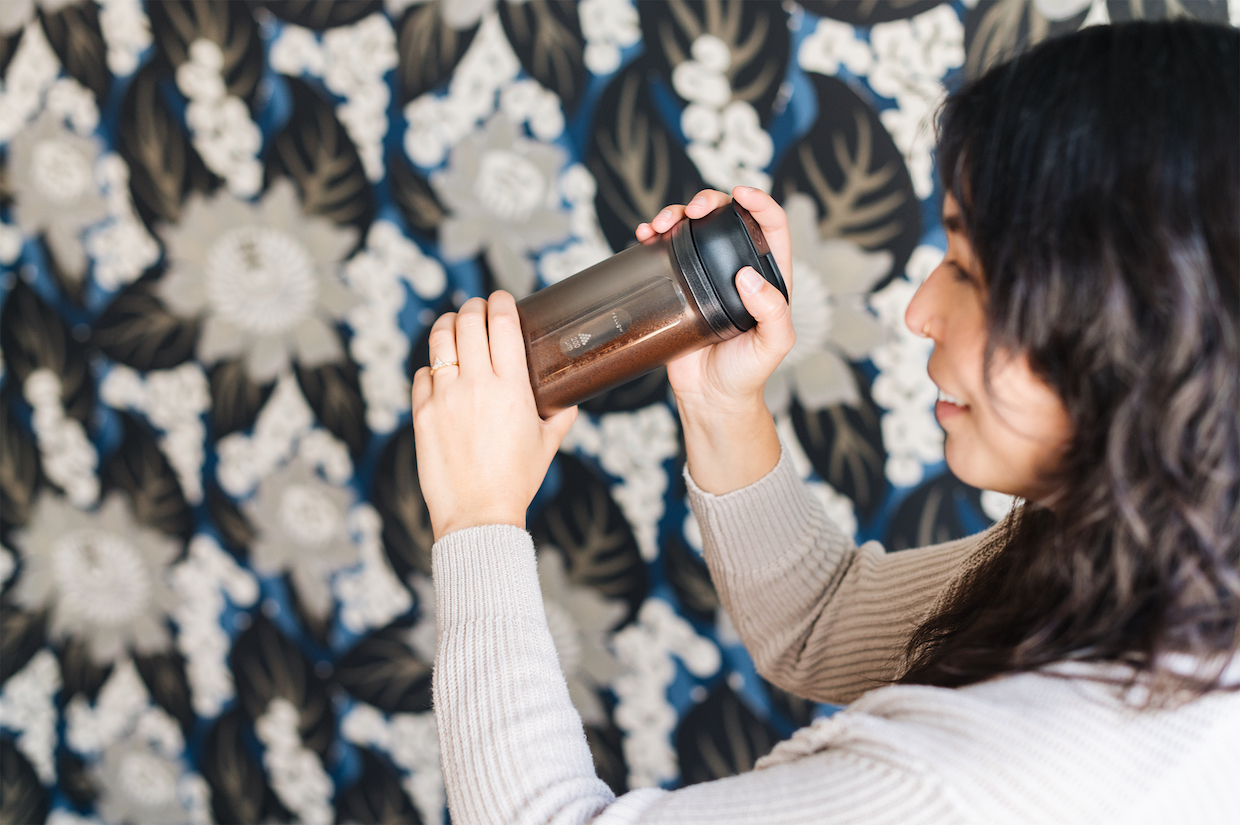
<point>959,273</point>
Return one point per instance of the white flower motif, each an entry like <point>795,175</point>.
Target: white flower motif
<point>52,172</point>
<point>140,782</point>
<point>224,135</point>
<point>127,31</point>
<point>29,75</point>
<point>834,44</point>
<point>436,124</point>
<point>500,190</point>
<point>911,57</point>
<point>101,573</point>
<point>65,451</point>
<point>608,26</point>
<point>643,713</point>
<point>411,739</point>
<point>300,523</point>
<point>580,620</point>
<point>370,596</point>
<point>264,275</point>
<point>354,60</point>
<point>911,435</point>
<point>828,312</point>
<point>201,581</point>
<point>726,139</point>
<point>296,772</point>
<point>28,706</point>
<point>378,344</point>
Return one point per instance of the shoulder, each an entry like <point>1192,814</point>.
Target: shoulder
<point>1062,750</point>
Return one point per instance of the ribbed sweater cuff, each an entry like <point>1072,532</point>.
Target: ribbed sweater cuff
<point>486,572</point>
<point>766,521</point>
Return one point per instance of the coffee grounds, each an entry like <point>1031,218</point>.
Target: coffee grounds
<point>652,339</point>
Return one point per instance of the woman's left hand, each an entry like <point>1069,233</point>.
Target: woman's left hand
<point>482,448</point>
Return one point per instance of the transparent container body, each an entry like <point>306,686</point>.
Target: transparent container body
<point>610,323</point>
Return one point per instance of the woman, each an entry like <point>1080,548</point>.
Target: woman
<point>1077,663</point>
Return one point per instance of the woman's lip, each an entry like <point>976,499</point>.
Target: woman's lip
<point>946,409</point>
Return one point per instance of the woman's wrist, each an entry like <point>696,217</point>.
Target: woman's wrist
<point>729,445</point>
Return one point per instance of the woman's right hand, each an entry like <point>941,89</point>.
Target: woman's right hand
<point>731,375</point>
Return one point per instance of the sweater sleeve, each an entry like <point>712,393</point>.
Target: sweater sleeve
<point>821,617</point>
<point>513,749</point>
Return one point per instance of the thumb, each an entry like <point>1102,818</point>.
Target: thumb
<point>768,307</point>
<point>558,425</point>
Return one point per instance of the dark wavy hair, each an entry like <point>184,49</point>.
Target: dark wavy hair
<point>1098,176</point>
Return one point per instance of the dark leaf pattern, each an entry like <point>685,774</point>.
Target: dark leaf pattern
<point>323,14</point>
<point>932,514</point>
<point>78,672</point>
<point>235,531</point>
<point>756,35</point>
<point>164,676</point>
<point>1121,10</point>
<point>315,151</point>
<point>429,47</point>
<point>8,47</point>
<point>690,580</point>
<point>34,337</point>
<point>138,330</point>
<point>637,163</point>
<point>599,548</point>
<point>74,33</point>
<point>73,777</point>
<point>721,737</point>
<point>868,12</point>
<point>845,445</point>
<point>333,393</point>
<point>19,465</point>
<point>407,534</point>
<point>382,671</point>
<point>22,634</point>
<point>377,796</point>
<point>607,750</point>
<point>176,24</point>
<point>238,791</point>
<point>140,469</point>
<point>163,165</point>
<point>267,665</point>
<point>22,798</point>
<point>852,169</point>
<point>546,35</point>
<point>414,196</point>
<point>235,399</point>
<point>997,30</point>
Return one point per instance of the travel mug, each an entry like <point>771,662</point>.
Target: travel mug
<point>642,307</point>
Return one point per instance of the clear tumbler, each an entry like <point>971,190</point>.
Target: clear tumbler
<point>642,307</point>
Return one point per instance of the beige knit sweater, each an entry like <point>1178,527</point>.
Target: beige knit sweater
<point>826,620</point>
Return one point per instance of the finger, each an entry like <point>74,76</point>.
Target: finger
<point>471,336</point>
<point>668,217</point>
<point>557,426</point>
<point>442,342</point>
<point>421,387</point>
<point>705,201</point>
<point>774,222</point>
<point>768,307</point>
<point>507,343</point>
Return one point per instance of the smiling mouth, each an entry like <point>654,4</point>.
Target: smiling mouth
<point>951,399</point>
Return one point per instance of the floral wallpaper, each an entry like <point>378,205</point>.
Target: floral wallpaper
<point>225,229</point>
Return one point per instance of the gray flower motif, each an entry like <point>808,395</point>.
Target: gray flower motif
<point>139,785</point>
<point>831,279</point>
<point>264,276</point>
<point>457,14</point>
<point>580,620</point>
<point>15,13</point>
<point>101,574</point>
<point>500,190</point>
<point>302,529</point>
<point>53,177</point>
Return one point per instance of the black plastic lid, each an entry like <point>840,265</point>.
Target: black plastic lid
<point>727,240</point>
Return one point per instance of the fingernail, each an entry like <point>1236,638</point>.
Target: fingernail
<point>666,213</point>
<point>698,202</point>
<point>746,188</point>
<point>748,281</point>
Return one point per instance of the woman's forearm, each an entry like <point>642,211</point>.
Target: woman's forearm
<point>729,448</point>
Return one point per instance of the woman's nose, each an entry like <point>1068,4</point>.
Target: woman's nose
<point>920,316</point>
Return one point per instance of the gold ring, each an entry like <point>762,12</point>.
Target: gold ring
<point>440,364</point>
